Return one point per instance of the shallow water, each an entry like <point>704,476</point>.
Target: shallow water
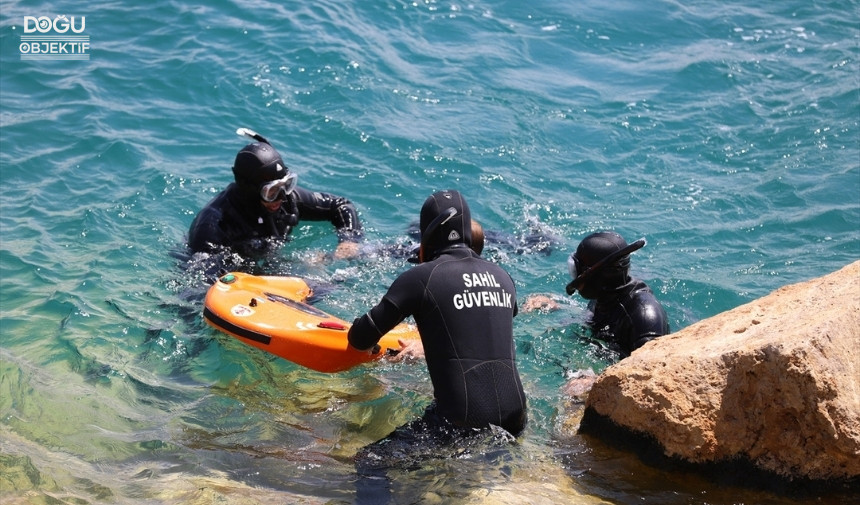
<point>725,134</point>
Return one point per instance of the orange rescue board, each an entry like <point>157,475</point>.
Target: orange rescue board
<point>270,313</point>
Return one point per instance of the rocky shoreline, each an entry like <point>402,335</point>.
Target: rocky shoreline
<point>768,392</point>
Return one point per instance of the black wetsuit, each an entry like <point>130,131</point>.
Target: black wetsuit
<point>234,220</point>
<point>628,317</point>
<point>464,308</point>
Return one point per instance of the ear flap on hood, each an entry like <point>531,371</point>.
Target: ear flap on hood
<point>445,221</point>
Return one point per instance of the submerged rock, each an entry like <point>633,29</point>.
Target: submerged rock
<point>774,383</point>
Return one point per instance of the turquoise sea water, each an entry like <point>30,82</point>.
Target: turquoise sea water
<point>726,134</point>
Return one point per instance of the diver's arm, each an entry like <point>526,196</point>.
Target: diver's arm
<point>366,330</point>
<point>317,206</point>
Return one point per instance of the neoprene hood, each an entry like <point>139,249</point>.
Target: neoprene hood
<point>257,164</point>
<point>445,221</point>
<point>600,264</point>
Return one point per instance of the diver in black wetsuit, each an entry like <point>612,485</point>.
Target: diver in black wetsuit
<point>264,203</point>
<point>623,310</point>
<point>464,307</point>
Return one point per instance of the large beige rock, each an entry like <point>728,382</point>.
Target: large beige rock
<point>775,382</point>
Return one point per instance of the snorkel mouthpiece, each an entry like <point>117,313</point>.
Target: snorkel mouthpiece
<point>571,287</point>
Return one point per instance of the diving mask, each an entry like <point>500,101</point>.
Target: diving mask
<point>278,189</point>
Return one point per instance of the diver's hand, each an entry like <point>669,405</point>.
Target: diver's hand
<point>346,250</point>
<point>579,384</point>
<point>409,349</point>
<point>539,302</point>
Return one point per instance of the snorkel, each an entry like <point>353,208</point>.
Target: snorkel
<point>247,132</point>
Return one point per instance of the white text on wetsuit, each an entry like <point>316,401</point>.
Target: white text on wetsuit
<point>483,297</point>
